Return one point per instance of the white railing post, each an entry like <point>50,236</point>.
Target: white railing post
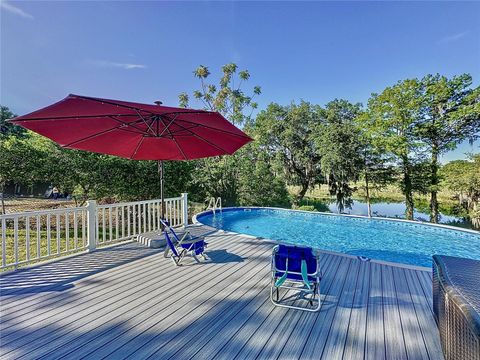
<point>91,224</point>
<point>185,209</point>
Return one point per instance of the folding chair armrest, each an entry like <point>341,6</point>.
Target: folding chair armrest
<point>184,237</point>
<point>192,240</point>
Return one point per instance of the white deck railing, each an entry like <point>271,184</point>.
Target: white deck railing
<point>33,236</point>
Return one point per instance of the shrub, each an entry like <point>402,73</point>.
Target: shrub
<point>306,208</point>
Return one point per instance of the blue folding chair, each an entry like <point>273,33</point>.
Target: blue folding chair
<point>182,245</point>
<point>296,269</point>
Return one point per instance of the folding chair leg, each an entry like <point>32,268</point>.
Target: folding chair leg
<point>195,257</point>
<point>312,297</point>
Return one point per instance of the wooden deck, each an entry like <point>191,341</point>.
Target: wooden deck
<point>130,302</point>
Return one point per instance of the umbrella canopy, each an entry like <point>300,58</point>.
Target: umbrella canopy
<point>133,130</point>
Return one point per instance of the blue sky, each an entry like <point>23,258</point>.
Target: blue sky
<point>316,51</point>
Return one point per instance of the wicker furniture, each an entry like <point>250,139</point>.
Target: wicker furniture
<point>456,305</point>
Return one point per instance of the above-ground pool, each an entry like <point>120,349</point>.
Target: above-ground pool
<point>389,240</point>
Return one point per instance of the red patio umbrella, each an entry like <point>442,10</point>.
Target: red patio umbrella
<point>135,131</point>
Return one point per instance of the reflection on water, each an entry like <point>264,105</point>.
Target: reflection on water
<point>397,210</point>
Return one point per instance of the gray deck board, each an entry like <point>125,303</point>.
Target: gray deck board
<point>314,343</point>
<point>355,337</point>
<point>130,302</point>
<point>394,335</point>
<point>293,347</point>
<point>408,316</point>
<point>375,334</point>
<point>334,340</point>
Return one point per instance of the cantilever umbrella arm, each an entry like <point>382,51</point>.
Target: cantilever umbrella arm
<point>161,172</point>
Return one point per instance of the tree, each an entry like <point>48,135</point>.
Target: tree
<point>450,115</point>
<point>390,120</point>
<point>22,160</point>
<point>259,184</point>
<point>463,178</point>
<point>337,140</point>
<point>219,176</point>
<point>287,134</point>
<point>377,170</point>
<point>7,129</point>
<point>228,98</point>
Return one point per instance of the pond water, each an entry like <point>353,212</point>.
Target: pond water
<point>392,209</point>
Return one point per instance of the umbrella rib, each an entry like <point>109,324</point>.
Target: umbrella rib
<point>183,129</point>
<point>96,134</point>
<point>212,144</point>
<point>69,117</point>
<point>167,126</point>
<point>146,122</point>
<point>202,138</point>
<point>137,147</point>
<point>207,141</point>
<point>180,148</point>
<point>173,137</point>
<point>214,128</point>
<point>128,124</point>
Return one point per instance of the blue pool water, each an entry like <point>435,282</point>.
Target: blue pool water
<point>388,240</point>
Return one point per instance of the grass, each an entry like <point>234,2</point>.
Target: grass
<point>21,204</point>
<point>39,245</point>
<point>59,245</point>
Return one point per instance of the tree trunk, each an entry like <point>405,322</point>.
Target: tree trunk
<point>2,189</point>
<point>302,192</point>
<point>434,214</point>
<point>367,195</point>
<point>407,183</point>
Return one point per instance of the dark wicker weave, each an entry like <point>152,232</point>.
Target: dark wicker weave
<point>456,304</point>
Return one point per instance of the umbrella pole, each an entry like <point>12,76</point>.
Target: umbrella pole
<point>161,172</point>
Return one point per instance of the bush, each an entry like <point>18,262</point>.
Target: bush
<point>306,208</point>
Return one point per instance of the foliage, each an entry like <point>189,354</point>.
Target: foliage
<point>20,159</point>
<point>259,185</point>
<point>220,176</point>
<point>306,208</point>
<point>377,170</point>
<point>450,115</point>
<point>86,175</point>
<point>287,134</point>
<point>390,123</point>
<point>339,149</point>
<point>8,129</point>
<point>463,177</point>
<point>227,98</point>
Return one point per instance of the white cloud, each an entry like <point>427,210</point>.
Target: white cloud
<point>126,66</point>
<point>454,37</point>
<point>14,10</point>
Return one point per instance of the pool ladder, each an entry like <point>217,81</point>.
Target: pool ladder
<point>215,204</point>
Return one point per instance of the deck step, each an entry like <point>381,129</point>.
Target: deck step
<point>154,239</point>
